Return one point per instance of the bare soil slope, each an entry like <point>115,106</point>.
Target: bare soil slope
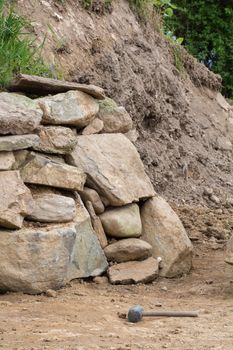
<point>181,125</point>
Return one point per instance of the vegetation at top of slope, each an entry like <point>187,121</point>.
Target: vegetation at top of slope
<point>207,28</point>
<point>17,49</point>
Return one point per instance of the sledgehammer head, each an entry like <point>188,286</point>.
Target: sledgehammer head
<point>135,314</point>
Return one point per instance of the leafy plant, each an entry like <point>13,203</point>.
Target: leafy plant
<point>207,27</point>
<point>17,48</point>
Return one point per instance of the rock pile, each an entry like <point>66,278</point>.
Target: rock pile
<point>75,199</point>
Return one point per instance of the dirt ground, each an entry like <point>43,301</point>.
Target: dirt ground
<point>85,315</point>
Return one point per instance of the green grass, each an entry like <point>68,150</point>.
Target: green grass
<point>17,47</point>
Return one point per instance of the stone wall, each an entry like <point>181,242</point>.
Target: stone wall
<point>75,199</point>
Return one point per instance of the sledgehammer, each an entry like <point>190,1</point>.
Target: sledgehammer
<point>136,313</point>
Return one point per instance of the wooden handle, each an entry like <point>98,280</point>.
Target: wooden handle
<point>171,313</point>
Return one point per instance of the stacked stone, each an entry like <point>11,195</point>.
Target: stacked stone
<point>71,182</point>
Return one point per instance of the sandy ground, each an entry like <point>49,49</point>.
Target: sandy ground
<point>85,315</point>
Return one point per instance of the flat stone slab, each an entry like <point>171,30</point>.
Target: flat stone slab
<point>16,200</point>
<point>113,167</point>
<point>18,142</point>
<point>127,250</point>
<point>53,208</point>
<point>43,171</point>
<point>55,139</point>
<point>18,114</point>
<point>123,222</point>
<point>164,231</point>
<point>7,160</point>
<point>134,272</point>
<point>71,108</point>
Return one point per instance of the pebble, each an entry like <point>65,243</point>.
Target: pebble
<point>100,280</point>
<point>51,293</point>
<point>214,199</point>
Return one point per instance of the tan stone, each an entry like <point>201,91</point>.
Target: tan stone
<point>122,222</point>
<point>7,160</point>
<point>18,142</point>
<point>42,171</point>
<point>71,108</point>
<point>35,260</point>
<point>229,252</point>
<point>127,250</point>
<point>134,272</point>
<point>88,194</point>
<point>55,139</point>
<point>94,127</point>
<point>16,200</point>
<point>53,208</point>
<point>164,231</point>
<point>116,119</point>
<point>113,167</point>
<point>18,114</point>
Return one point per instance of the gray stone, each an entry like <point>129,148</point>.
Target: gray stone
<point>116,119</point>
<point>88,258</point>
<point>53,208</point>
<point>134,272</point>
<point>71,108</point>
<point>42,171</point>
<point>35,260</point>
<point>18,142</point>
<point>127,250</point>
<point>122,222</point>
<point>94,127</point>
<point>88,194</point>
<point>18,114</point>
<point>229,252</point>
<point>55,139</point>
<point>165,232</point>
<point>113,167</point>
<point>16,200</point>
<point>7,160</point>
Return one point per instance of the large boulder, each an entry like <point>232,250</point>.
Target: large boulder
<point>134,272</point>
<point>71,108</point>
<point>127,250</point>
<point>115,119</point>
<point>123,222</point>
<point>40,170</point>
<point>55,139</point>
<point>18,114</point>
<point>16,200</point>
<point>162,228</point>
<point>53,208</point>
<point>113,167</point>
<point>34,260</point>
<point>87,258</point>
<point>229,252</point>
<point>18,142</point>
<point>7,160</point>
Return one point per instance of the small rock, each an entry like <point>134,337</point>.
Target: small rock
<point>164,288</point>
<point>51,293</point>
<point>101,280</point>
<point>229,252</point>
<point>208,191</point>
<point>94,127</point>
<point>214,199</point>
